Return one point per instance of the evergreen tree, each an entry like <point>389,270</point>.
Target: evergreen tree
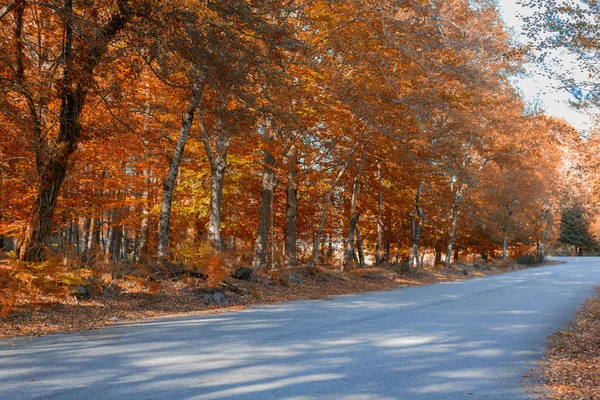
<point>575,229</point>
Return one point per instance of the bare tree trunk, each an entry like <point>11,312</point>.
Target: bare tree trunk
<point>218,164</point>
<point>110,234</point>
<point>271,260</point>
<point>169,183</point>
<point>378,246</point>
<point>94,245</point>
<point>459,193</point>
<point>216,201</point>
<point>546,220</point>
<point>438,254</point>
<point>269,182</point>
<point>354,215</point>
<point>359,248</point>
<point>509,212</point>
<point>452,234</point>
<point>386,251</point>
<point>75,236</point>
<point>141,250</point>
<point>85,249</point>
<point>414,261</point>
<point>504,240</point>
<point>291,253</point>
<point>319,235</point>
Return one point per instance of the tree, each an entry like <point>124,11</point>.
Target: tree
<point>56,53</point>
<point>575,229</point>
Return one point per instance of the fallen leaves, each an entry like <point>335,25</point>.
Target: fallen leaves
<point>127,301</point>
<point>572,371</point>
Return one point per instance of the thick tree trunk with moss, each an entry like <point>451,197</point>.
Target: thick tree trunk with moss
<point>53,158</point>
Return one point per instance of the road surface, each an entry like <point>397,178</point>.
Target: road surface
<point>466,340</point>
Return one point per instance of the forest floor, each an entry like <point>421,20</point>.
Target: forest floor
<point>572,369</point>
<point>128,300</point>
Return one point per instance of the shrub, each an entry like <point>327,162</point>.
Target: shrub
<point>528,259</point>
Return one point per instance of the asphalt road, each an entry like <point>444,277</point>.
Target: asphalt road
<point>466,340</point>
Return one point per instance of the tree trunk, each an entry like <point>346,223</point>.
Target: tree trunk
<point>378,247</point>
<point>354,214</point>
<point>51,177</point>
<point>52,166</point>
<point>169,183</point>
<point>85,253</point>
<point>359,248</point>
<point>385,258</point>
<point>414,261</point>
<point>452,234</point>
<point>217,158</point>
<point>438,254</point>
<point>504,240</point>
<point>509,212</point>
<point>269,181</point>
<point>94,245</point>
<point>319,235</point>
<point>75,237</point>
<point>141,250</point>
<point>216,201</point>
<point>291,253</point>
<point>546,220</point>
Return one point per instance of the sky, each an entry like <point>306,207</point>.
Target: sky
<point>536,87</point>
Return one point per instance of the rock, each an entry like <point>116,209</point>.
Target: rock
<point>464,272</point>
<point>80,291</point>
<point>268,282</point>
<point>243,274</point>
<point>113,319</point>
<point>214,298</point>
<point>295,278</point>
<point>236,289</point>
<point>283,281</point>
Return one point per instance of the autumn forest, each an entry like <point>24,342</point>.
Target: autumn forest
<point>211,137</point>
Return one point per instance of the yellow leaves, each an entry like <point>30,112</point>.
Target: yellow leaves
<point>37,282</point>
<point>202,258</point>
<point>71,280</point>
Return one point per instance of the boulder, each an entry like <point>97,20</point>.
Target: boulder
<point>243,274</point>
<point>80,291</point>
<point>295,278</point>
<point>214,298</point>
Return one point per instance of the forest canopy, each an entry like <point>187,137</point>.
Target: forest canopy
<point>288,133</point>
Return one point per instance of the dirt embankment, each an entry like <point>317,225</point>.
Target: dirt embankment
<point>127,300</point>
